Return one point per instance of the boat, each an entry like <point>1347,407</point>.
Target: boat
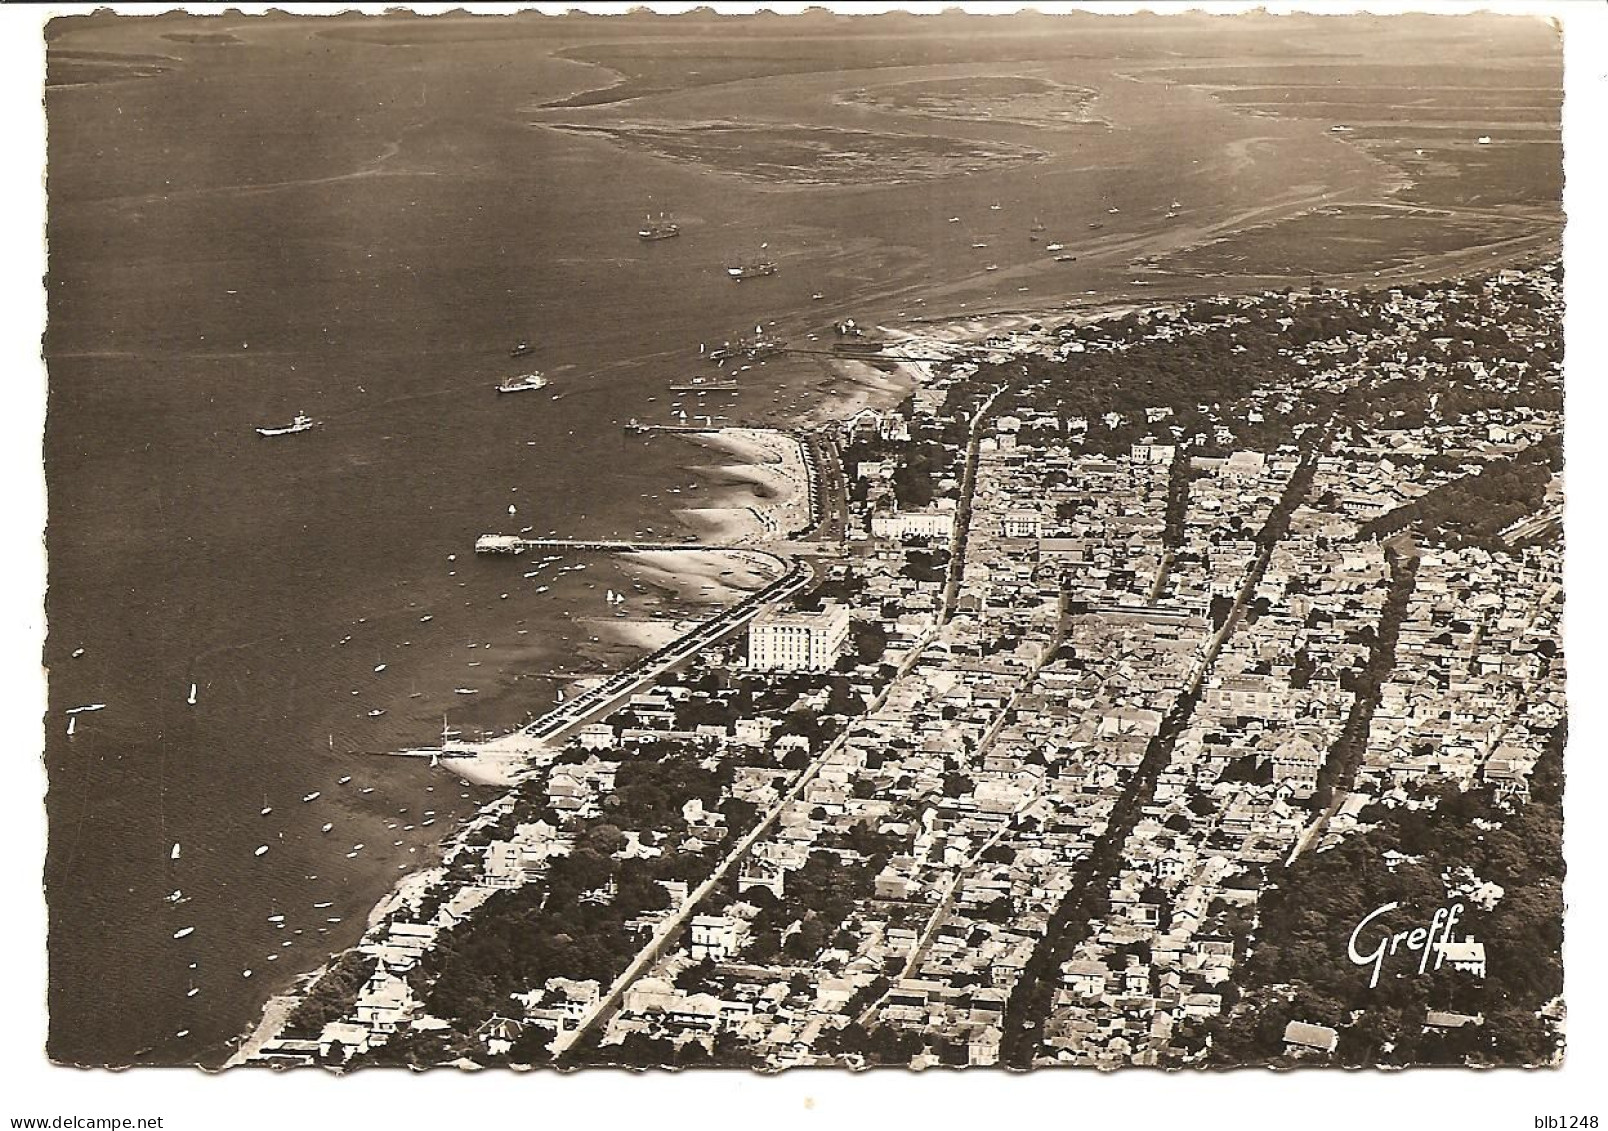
<point>659,227</point>
<point>313,796</point>
<point>192,991</point>
<point>72,725</point>
<point>1095,225</point>
<point>86,708</point>
<point>521,348</point>
<point>175,896</point>
<point>301,423</point>
<point>191,700</point>
<point>817,296</point>
<point>376,713</point>
<point>466,690</point>
<point>1065,258</point>
<point>327,826</point>
<point>321,906</point>
<point>175,854</point>
<point>995,207</point>
<point>755,270</point>
<point>705,385</point>
<point>1052,247</point>
<point>183,932</point>
<point>524,384</point>
<point>759,268</point>
<point>379,668</point>
<point>344,780</point>
<point>262,849</point>
<point>276,918</point>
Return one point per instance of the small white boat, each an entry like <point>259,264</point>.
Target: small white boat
<point>174,896</point>
<point>327,826</point>
<point>245,973</point>
<point>261,850</point>
<point>424,620</point>
<point>343,781</point>
<point>72,725</point>
<point>378,668</point>
<point>77,652</point>
<point>313,796</point>
<point>321,906</point>
<point>183,932</point>
<point>526,383</point>
<point>182,1033</point>
<point>467,690</point>
<point>175,853</point>
<point>191,700</point>
<point>357,848</point>
<point>301,423</point>
<point>276,918</point>
<point>192,991</point>
<point>376,713</point>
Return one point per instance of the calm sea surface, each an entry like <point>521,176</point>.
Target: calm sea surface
<point>297,222</point>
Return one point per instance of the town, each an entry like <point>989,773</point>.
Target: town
<point>1122,622</point>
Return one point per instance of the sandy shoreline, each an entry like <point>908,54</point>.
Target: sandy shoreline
<point>767,501</point>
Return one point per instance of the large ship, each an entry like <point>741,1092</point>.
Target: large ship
<point>750,348</point>
<point>523,384</point>
<point>660,227</point>
<point>302,423</point>
<point>756,270</point>
<point>759,268</point>
<point>705,385</point>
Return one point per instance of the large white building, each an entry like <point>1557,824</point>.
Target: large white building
<point>798,641</point>
<point>914,524</point>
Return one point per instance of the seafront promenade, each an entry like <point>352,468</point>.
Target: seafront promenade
<point>500,760</point>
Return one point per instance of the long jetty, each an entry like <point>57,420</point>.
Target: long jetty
<point>515,544</point>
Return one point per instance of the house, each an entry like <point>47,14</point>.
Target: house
<point>1302,1037</point>
<point>715,937</point>
<point>1467,956</point>
<point>1296,763</point>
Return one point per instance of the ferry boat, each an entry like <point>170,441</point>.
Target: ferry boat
<point>659,227</point>
<point>301,423</point>
<point>521,348</point>
<point>705,385</point>
<point>523,384</point>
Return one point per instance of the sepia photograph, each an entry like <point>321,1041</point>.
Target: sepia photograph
<point>662,538</point>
